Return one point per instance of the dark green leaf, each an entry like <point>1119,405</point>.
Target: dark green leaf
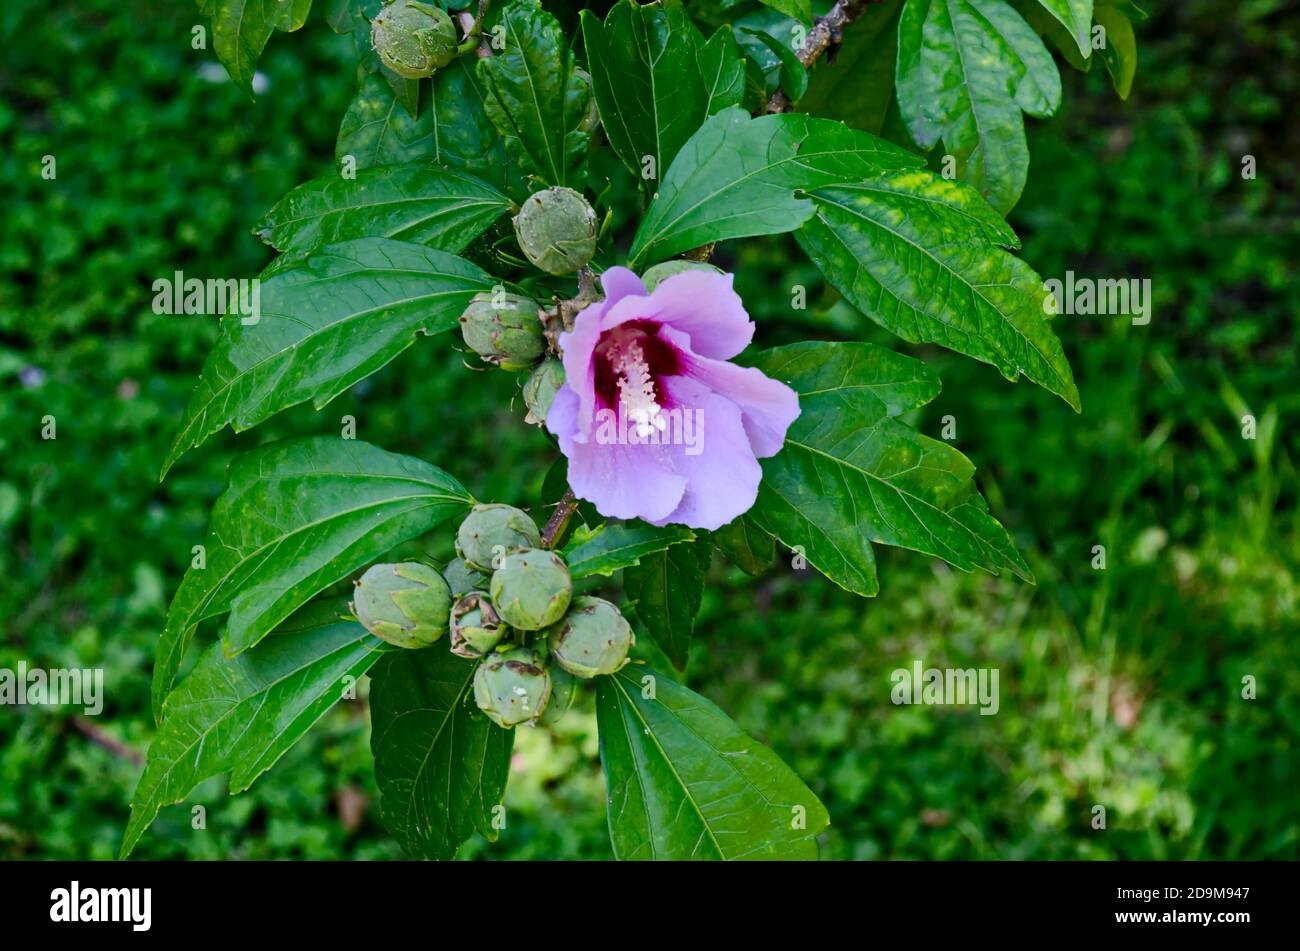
<point>800,10</point>
<point>293,14</point>
<point>737,177</point>
<point>534,97</point>
<point>328,319</point>
<point>240,715</point>
<point>416,202</point>
<point>463,136</point>
<point>655,79</point>
<point>852,473</point>
<point>793,76</point>
<point>377,131</point>
<point>616,545</point>
<point>746,546</point>
<point>240,29</point>
<point>1120,52</point>
<point>966,71</point>
<point>686,783</point>
<point>441,765</point>
<point>297,517</point>
<point>1076,17</point>
<point>858,85</point>
<point>921,255</point>
<point>665,588</point>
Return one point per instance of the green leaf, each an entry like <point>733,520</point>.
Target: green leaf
<point>665,588</point>
<point>416,202</point>
<point>655,79</point>
<point>737,177</point>
<point>966,71</point>
<point>441,765</point>
<point>534,97</point>
<point>616,545</point>
<point>922,256</point>
<point>297,517</point>
<point>852,473</point>
<point>463,136</point>
<point>240,29</point>
<point>293,15</point>
<point>746,546</point>
<point>1051,29</point>
<point>793,76</point>
<point>1120,52</point>
<point>376,130</point>
<point>686,783</point>
<point>327,319</point>
<point>241,715</point>
<point>858,86</point>
<point>1076,17</point>
<point>800,10</point>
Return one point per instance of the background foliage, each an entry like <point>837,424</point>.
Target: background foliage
<point>1119,687</point>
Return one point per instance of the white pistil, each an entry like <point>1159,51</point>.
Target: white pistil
<point>636,389</point>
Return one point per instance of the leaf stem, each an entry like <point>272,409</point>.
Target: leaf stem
<point>559,519</point>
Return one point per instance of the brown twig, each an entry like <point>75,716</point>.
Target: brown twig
<point>559,520</point>
<point>827,33</point>
<point>99,737</point>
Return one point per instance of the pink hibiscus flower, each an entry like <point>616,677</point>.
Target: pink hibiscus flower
<point>654,421</point>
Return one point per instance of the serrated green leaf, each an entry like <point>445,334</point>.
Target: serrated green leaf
<point>1076,17</point>
<point>737,177</point>
<point>616,545</point>
<point>328,319</point>
<point>665,589</point>
<point>535,98</point>
<point>686,783</point>
<point>966,71</point>
<point>858,85</point>
<point>746,545</point>
<point>1120,52</point>
<point>852,473</point>
<point>241,715</point>
<point>923,257</point>
<point>656,80</point>
<point>416,202</point>
<point>376,130</point>
<point>793,75</point>
<point>297,517</point>
<point>441,765</point>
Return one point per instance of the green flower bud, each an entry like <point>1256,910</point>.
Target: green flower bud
<point>512,686</point>
<point>475,626</point>
<point>593,638</point>
<point>564,690</point>
<point>556,229</point>
<point>504,329</point>
<point>462,579</point>
<point>531,589</point>
<point>490,532</point>
<point>404,604</point>
<point>656,275</point>
<point>413,39</point>
<point>540,389</point>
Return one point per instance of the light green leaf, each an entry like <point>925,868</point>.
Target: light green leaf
<point>686,783</point>
<point>1076,17</point>
<point>616,545</point>
<point>746,546</point>
<point>656,80</point>
<point>416,202</point>
<point>858,86</point>
<point>1120,52</point>
<point>297,517</point>
<point>240,715</point>
<point>921,256</point>
<point>852,473</point>
<point>376,130</point>
<point>966,71</point>
<point>534,97</point>
<point>441,765</point>
<point>665,589</point>
<point>293,15</point>
<point>737,177</point>
<point>327,319</point>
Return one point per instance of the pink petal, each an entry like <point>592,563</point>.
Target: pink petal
<point>625,481</point>
<point>703,305</point>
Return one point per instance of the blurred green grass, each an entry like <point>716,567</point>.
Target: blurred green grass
<point>1119,687</point>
